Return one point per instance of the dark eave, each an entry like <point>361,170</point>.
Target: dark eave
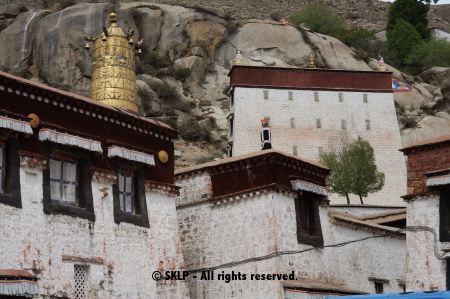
<point>427,144</point>
<point>44,93</point>
<point>310,79</point>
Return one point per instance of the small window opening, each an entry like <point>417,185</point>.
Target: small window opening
<point>80,277</point>
<point>365,98</point>
<point>341,97</point>
<point>318,123</point>
<point>343,124</point>
<point>368,124</point>
<point>266,94</point>
<point>292,122</point>
<point>291,96</point>
<point>295,150</point>
<point>379,287</point>
<point>126,193</point>
<point>316,96</point>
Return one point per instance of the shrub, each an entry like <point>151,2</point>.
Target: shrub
<point>413,12</point>
<point>153,59</point>
<point>167,91</point>
<point>436,52</point>
<point>319,18</point>
<point>180,73</point>
<point>193,132</point>
<point>409,123</point>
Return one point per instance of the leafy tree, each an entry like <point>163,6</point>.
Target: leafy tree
<point>366,177</point>
<point>435,52</point>
<point>320,18</point>
<point>353,169</point>
<point>402,39</point>
<point>413,12</point>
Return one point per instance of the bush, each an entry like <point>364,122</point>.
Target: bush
<point>402,39</point>
<point>168,92</point>
<point>320,18</point>
<point>180,73</point>
<point>436,52</point>
<point>409,123</point>
<point>193,132</point>
<point>413,12</point>
<point>153,59</point>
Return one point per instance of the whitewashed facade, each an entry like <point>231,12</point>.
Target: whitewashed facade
<point>306,122</point>
<point>235,229</point>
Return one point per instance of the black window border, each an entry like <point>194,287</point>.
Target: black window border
<point>12,195</point>
<point>140,216</point>
<point>444,214</point>
<point>315,239</point>
<point>84,186</point>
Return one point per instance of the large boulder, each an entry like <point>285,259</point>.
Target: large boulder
<point>438,76</point>
<point>17,41</point>
<point>429,127</point>
<point>59,51</point>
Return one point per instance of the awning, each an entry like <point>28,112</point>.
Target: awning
<point>438,180</point>
<point>308,186</point>
<point>132,155</point>
<point>17,282</point>
<point>19,288</point>
<point>15,125</point>
<point>71,140</point>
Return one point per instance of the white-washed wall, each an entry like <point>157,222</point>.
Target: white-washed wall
<point>31,239</point>
<point>266,223</point>
<point>424,272</point>
<point>384,135</point>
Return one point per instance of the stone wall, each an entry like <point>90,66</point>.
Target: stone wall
<point>120,258</point>
<point>422,161</point>
<point>262,224</point>
<point>306,140</point>
<point>424,272</point>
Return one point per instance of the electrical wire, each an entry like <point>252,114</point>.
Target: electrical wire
<point>290,252</point>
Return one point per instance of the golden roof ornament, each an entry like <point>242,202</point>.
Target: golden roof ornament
<point>113,59</point>
<point>312,62</point>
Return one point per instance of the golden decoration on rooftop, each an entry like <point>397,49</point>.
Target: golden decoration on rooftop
<point>312,62</point>
<point>113,59</point>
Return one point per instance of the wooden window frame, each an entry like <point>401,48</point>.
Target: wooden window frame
<point>61,180</point>
<point>11,194</point>
<point>140,215</point>
<point>310,231</point>
<point>84,207</point>
<point>444,214</point>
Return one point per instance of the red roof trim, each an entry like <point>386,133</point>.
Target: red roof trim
<point>315,79</point>
<point>427,144</point>
<point>64,97</point>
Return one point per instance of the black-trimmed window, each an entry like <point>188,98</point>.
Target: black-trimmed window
<point>10,173</point>
<point>130,204</point>
<point>309,229</point>
<point>68,182</point>
<point>444,214</point>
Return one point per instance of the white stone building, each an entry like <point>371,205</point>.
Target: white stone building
<point>310,109</point>
<point>428,214</point>
<point>267,213</point>
<point>87,200</point>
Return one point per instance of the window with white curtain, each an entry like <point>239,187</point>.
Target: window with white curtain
<point>63,181</point>
<point>126,193</point>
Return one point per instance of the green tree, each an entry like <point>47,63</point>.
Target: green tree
<point>320,18</point>
<point>353,169</point>
<point>366,178</point>
<point>402,39</point>
<point>435,52</point>
<point>414,12</point>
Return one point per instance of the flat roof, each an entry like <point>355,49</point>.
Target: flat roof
<point>430,142</point>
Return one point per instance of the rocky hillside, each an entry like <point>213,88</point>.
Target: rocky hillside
<point>187,55</point>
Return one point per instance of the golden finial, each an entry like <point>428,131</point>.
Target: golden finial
<point>312,62</point>
<point>113,76</point>
<point>239,59</point>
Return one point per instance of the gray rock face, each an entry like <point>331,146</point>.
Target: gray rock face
<point>18,38</point>
<point>49,47</point>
